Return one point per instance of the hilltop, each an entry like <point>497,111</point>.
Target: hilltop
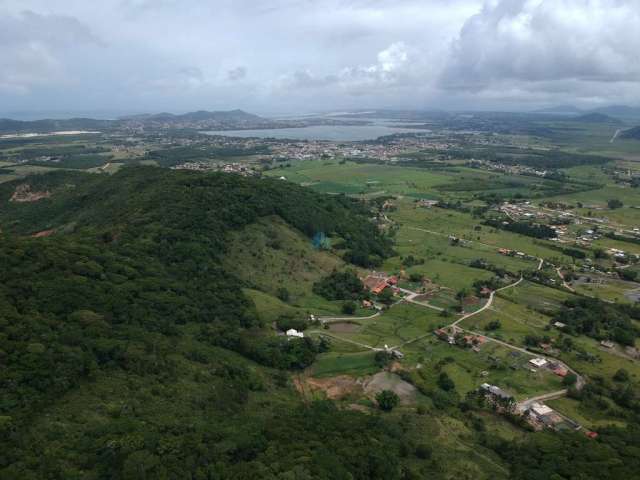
<point>632,133</point>
<point>596,117</point>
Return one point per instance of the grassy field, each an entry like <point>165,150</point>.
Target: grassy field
<point>494,364</point>
<point>485,241</point>
<point>339,363</point>
<point>353,178</point>
<point>587,417</point>
<point>273,256</point>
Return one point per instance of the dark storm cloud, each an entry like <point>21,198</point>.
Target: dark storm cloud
<point>179,55</point>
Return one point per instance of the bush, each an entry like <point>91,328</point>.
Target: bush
<point>383,358</point>
<point>614,203</point>
<point>349,308</point>
<point>493,325</point>
<point>621,375</point>
<point>570,379</point>
<point>283,294</point>
<point>387,400</point>
<point>445,382</point>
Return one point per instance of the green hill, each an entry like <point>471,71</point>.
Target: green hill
<point>128,347</point>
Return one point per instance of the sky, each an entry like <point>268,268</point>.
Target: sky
<point>299,56</point>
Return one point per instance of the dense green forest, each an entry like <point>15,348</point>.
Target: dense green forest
<point>130,289</point>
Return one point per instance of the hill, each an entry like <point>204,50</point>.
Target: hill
<point>560,110</point>
<point>192,120</point>
<point>123,329</point>
<point>48,126</point>
<point>631,134</point>
<point>199,116</point>
<point>619,111</point>
<point>595,117</point>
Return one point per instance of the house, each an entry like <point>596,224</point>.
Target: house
<point>558,369</point>
<point>292,332</point>
<point>538,362</point>
<point>485,292</point>
<point>377,282</point>
<point>495,392</point>
<point>397,354</point>
<point>591,434</point>
<point>539,410</point>
<point>427,203</point>
<point>607,344</point>
<point>474,339</point>
<point>559,325</point>
<point>366,304</point>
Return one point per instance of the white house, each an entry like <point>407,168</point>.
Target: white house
<point>538,362</point>
<point>292,332</point>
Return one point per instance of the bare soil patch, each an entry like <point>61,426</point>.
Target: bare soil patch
<point>344,327</point>
<point>390,381</point>
<point>336,388</point>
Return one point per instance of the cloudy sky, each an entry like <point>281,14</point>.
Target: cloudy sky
<point>278,56</point>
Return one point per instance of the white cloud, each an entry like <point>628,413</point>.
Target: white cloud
<point>188,54</point>
<point>532,41</point>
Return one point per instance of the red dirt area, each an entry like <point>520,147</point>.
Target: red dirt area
<point>335,388</point>
<point>43,233</point>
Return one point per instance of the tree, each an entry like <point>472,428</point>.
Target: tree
<point>387,400</point>
<point>614,203</point>
<point>386,296</point>
<point>445,382</point>
<point>349,308</point>
<point>283,294</point>
<point>382,358</point>
<point>493,325</point>
<point>570,379</point>
<point>621,375</point>
<point>416,278</point>
<point>461,295</point>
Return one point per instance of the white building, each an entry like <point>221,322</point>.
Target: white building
<point>538,362</point>
<point>292,332</point>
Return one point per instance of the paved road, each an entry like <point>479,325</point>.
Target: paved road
<point>342,319</point>
<point>486,305</point>
<point>525,404</point>
<point>411,299</point>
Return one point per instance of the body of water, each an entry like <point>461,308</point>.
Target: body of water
<point>336,133</point>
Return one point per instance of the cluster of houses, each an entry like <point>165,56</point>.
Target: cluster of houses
<point>536,414</point>
<point>455,336</point>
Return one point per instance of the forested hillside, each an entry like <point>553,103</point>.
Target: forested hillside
<point>118,323</point>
